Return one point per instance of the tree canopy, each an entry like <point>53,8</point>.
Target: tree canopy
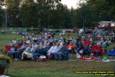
<point>53,14</point>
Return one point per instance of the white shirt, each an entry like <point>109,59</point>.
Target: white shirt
<point>28,49</point>
<point>54,49</point>
<point>34,47</point>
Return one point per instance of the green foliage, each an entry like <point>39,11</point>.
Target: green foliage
<point>28,14</point>
<point>93,11</point>
<point>38,14</point>
<point>42,14</point>
<point>8,37</point>
<point>1,17</point>
<point>12,12</point>
<point>59,69</point>
<point>84,17</point>
<point>52,14</point>
<point>103,8</point>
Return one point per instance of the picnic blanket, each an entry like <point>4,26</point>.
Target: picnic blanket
<point>111,53</point>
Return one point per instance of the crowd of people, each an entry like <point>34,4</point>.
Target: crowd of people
<point>48,45</point>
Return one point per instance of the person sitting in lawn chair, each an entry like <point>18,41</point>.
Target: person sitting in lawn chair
<point>40,52</point>
<point>97,50</point>
<point>21,50</point>
<point>7,48</point>
<point>63,54</point>
<point>79,48</point>
<point>54,50</point>
<point>71,46</point>
<point>28,52</point>
<point>13,52</point>
<point>86,47</point>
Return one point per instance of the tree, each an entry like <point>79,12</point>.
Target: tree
<point>93,11</point>
<point>37,14</point>
<point>58,16</point>
<point>12,12</point>
<point>84,17</point>
<point>103,8</point>
<point>28,14</point>
<point>1,17</point>
<point>47,12</point>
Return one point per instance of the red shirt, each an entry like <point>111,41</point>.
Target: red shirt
<point>7,48</point>
<point>86,43</point>
<point>97,48</point>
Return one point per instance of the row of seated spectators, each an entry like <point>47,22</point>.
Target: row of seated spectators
<point>35,47</point>
<point>24,50</point>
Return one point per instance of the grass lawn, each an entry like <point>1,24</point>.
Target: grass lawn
<point>5,38</point>
<point>55,68</point>
<point>59,68</point>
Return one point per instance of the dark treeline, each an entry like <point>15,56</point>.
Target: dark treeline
<point>53,14</point>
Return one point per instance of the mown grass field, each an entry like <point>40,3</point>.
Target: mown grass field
<point>6,38</point>
<point>59,69</point>
<point>55,68</point>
